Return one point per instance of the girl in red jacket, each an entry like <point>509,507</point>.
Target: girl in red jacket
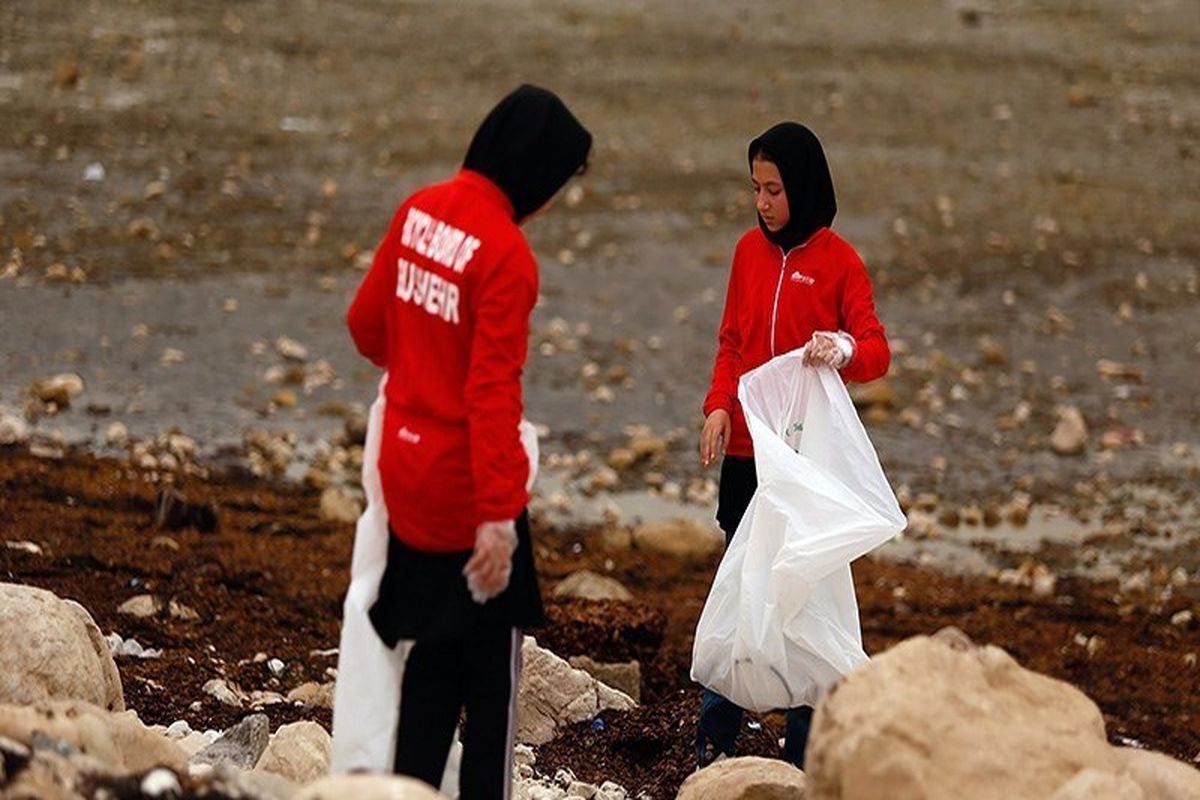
<point>794,282</point>
<point>445,309</point>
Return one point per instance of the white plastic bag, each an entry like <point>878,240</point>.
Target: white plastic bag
<point>781,622</point>
<point>366,698</point>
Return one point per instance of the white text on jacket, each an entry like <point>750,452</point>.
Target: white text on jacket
<point>438,241</point>
<point>421,287</point>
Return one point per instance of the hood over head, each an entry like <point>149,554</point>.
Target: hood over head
<point>798,154</point>
<point>529,145</point>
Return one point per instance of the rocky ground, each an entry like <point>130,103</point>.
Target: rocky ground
<point>247,613</point>
<point>190,193</point>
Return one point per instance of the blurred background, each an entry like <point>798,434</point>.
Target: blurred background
<point>192,191</point>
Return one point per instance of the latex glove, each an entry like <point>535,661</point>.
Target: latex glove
<point>490,565</point>
<point>829,349</point>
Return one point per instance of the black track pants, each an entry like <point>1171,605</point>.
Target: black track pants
<point>479,673</point>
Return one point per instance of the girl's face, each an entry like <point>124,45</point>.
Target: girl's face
<point>769,197</point>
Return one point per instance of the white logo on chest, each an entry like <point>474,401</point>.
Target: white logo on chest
<point>800,277</point>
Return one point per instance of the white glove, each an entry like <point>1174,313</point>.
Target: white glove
<point>829,349</point>
<point>490,566</point>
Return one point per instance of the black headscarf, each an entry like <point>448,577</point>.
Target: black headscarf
<point>797,152</point>
<point>529,145</point>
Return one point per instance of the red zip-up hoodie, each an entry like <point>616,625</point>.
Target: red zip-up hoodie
<point>774,304</point>
<point>445,309</point>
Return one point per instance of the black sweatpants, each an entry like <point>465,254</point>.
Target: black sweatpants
<point>481,674</point>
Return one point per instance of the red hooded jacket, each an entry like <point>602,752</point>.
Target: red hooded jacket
<point>445,309</point>
<point>775,303</point>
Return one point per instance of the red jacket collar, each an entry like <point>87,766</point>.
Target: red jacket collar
<point>480,182</point>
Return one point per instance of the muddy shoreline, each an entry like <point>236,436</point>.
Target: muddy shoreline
<point>268,584</point>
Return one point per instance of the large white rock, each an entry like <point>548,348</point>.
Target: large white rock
<point>587,585</point>
<point>119,741</point>
<point>51,649</point>
<point>1091,784</point>
<point>1159,776</point>
<point>681,538</point>
<point>747,778</point>
<point>554,694</point>
<point>298,752</point>
<point>367,787</point>
<point>943,718</point>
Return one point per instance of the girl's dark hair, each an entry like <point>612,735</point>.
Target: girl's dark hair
<point>760,151</point>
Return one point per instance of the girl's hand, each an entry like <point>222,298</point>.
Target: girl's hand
<point>715,436</point>
<point>828,349</point>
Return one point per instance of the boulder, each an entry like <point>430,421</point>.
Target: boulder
<point>681,538</point>
<point>939,717</point>
<point>367,787</point>
<point>1159,776</point>
<point>553,694</point>
<point>298,752</point>
<point>747,778</point>
<point>241,746</point>
<point>51,649</point>
<point>587,585</point>
<point>625,677</point>
<point>1091,784</point>
<point>119,741</point>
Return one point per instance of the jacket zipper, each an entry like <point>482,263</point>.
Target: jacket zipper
<point>775,308</point>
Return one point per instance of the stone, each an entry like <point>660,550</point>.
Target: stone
<point>118,740</point>
<point>617,539</point>
<point>142,605</point>
<point>241,746</point>
<point>13,429</point>
<point>159,782</point>
<point>682,538</point>
<point>298,752</point>
<point>60,389</point>
<point>622,458</point>
<point>873,393</point>
<point>746,778</point>
<point>340,505</point>
<point>51,649</point>
<point>1159,776</point>
<point>940,717</point>
<point>625,677</point>
<point>224,692</point>
<point>587,585</point>
<point>553,694</point>
<point>367,787</point>
<point>319,695</point>
<point>1091,784</point>
<point>291,349</point>
<point>1070,435</point>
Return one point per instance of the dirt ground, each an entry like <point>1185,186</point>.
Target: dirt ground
<point>182,184</point>
<point>1020,171</point>
<point>270,580</point>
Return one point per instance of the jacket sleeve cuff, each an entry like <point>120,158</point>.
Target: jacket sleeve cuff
<point>718,400</point>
